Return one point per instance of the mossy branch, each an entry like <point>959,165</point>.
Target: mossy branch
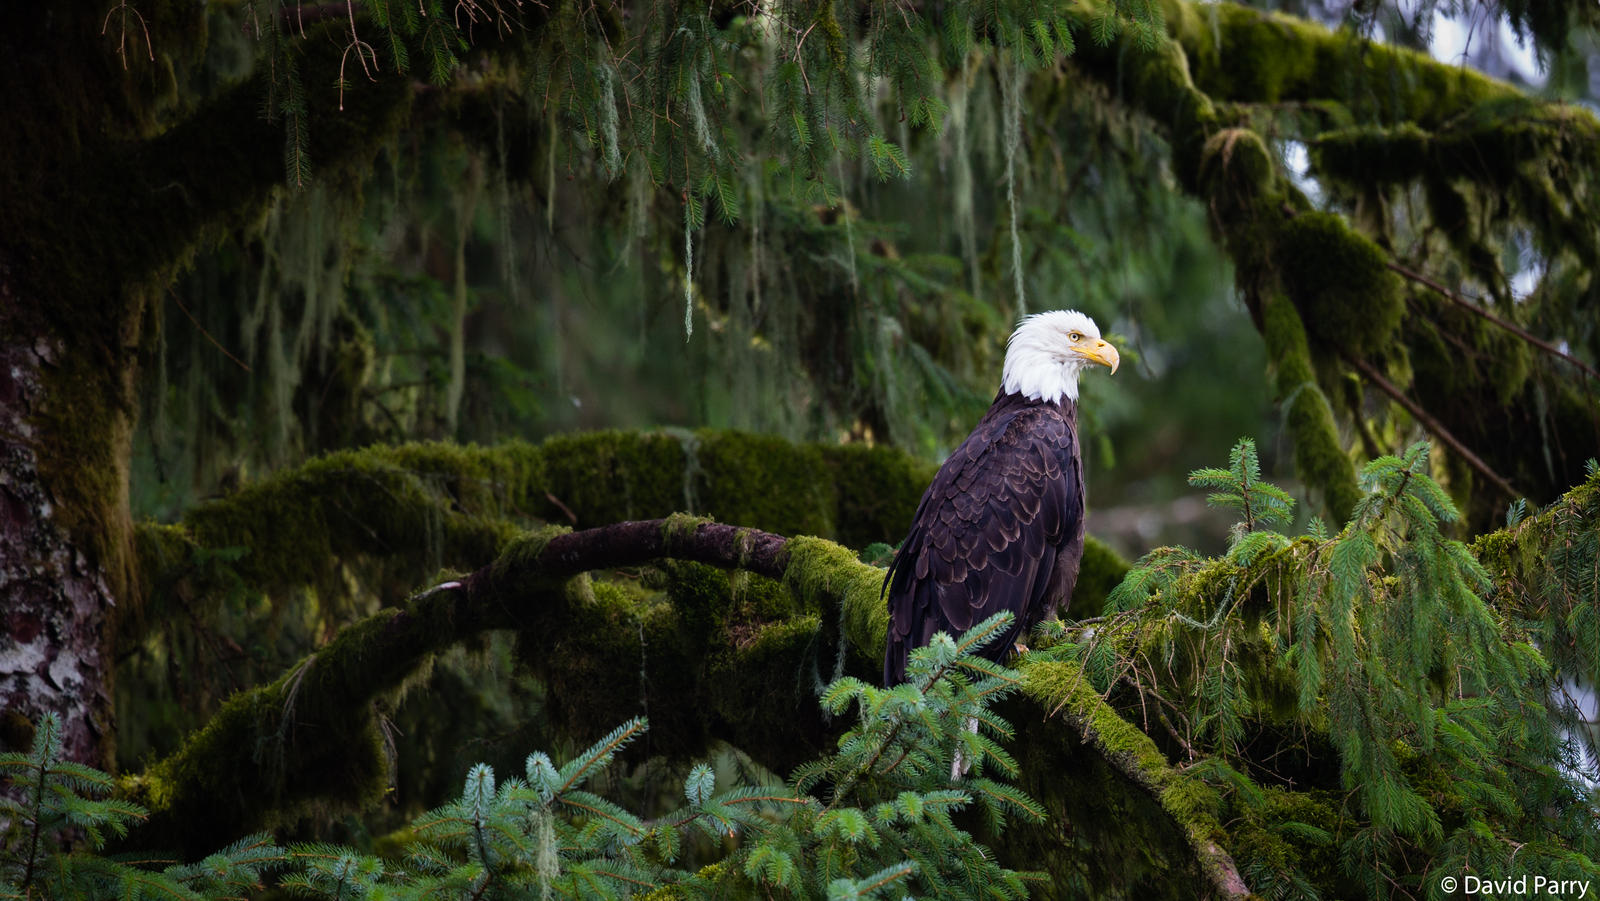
<point>1241,54</point>
<point>1063,687</point>
<point>310,737</point>
<point>234,775</point>
<point>1321,286</point>
<point>1318,456</point>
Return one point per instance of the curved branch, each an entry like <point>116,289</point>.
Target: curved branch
<point>1243,54</point>
<point>1062,688</point>
<point>309,737</point>
<point>678,537</point>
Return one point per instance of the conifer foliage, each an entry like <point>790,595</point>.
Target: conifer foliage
<point>657,91</point>
<point>881,818</point>
<point>665,93</point>
<point>58,803</point>
<point>1375,647</point>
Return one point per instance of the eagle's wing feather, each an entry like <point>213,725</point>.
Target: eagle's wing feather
<point>987,534</point>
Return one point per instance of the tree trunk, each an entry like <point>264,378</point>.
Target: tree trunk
<point>65,429</point>
<point>103,200</point>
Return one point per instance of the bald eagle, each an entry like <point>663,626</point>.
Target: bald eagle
<point>1001,527</point>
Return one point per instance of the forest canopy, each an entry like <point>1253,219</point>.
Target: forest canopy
<point>529,393</point>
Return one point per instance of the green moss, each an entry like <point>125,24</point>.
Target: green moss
<point>160,548</point>
<point>308,740</point>
<point>432,501</point>
<point>878,489</point>
<point>1320,460</point>
<point>83,434</point>
<point>1497,551</point>
<point>1063,685</point>
<point>769,673</point>
<point>1126,796</point>
<point>442,504</point>
<point>603,658</point>
<point>249,768</point>
<point>1235,164</point>
<point>1368,154</point>
<point>606,477</point>
<point>1191,800</point>
<point>795,497</point>
<point>1099,572</point>
<point>1104,837</point>
<point>703,598</point>
<point>1510,155</point>
<point>516,570</point>
<point>1340,283</point>
<point>727,656</point>
<point>1520,558</point>
<point>829,579</point>
<point>481,481</point>
<point>1243,54</point>
<point>1283,832</point>
<point>682,525</point>
<point>855,493</point>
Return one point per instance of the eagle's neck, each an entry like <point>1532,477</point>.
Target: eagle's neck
<point>1008,405</point>
<point>1037,373</point>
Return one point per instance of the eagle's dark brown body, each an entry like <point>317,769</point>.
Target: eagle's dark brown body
<point>1000,528</point>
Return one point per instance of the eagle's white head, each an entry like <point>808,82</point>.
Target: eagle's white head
<point>1048,350</point>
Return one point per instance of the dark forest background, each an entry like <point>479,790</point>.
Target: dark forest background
<point>307,308</point>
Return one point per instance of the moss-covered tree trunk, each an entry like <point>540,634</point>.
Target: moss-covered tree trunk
<point>108,188</point>
<point>65,560</point>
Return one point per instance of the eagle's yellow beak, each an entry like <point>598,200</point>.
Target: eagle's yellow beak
<point>1103,353</point>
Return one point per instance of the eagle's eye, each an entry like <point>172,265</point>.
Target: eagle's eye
<point>1075,337</point>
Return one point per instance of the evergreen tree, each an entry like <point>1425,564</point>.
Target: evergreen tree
<point>237,236</point>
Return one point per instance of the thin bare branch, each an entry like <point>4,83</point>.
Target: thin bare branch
<point>214,342</point>
<point>1431,424</point>
<point>122,43</point>
<point>1477,310</point>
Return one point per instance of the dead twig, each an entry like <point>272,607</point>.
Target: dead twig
<point>214,342</point>
<point>122,44</point>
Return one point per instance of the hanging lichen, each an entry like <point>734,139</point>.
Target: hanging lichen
<point>688,269</point>
<point>466,210</point>
<point>1011,78</point>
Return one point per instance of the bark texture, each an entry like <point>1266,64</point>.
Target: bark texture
<point>56,601</point>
